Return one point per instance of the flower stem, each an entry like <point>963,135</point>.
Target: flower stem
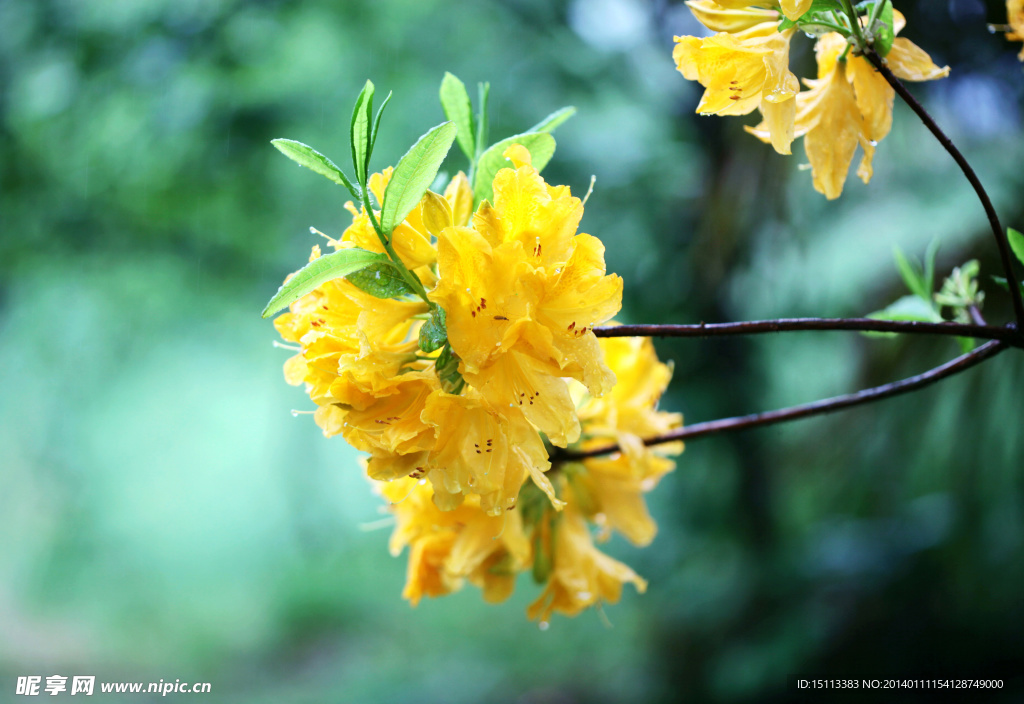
<point>756,420</point>
<point>385,241</point>
<point>997,228</point>
<point>1009,334</point>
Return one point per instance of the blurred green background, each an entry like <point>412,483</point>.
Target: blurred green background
<point>163,515</point>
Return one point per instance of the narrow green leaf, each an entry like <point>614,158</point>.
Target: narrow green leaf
<point>312,159</point>
<point>319,271</point>
<point>458,109</point>
<point>381,280</point>
<point>360,132</point>
<point>483,117</point>
<point>911,274</point>
<point>376,123</point>
<point>414,174</point>
<point>929,265</point>
<point>434,332</point>
<point>785,24</point>
<point>1016,243</point>
<point>1000,281</point>
<point>541,146</point>
<point>883,30</point>
<point>549,123</point>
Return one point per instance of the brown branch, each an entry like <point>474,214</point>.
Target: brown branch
<point>997,228</point>
<point>757,420</point>
<point>1008,334</point>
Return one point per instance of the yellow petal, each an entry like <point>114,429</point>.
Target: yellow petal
<point>874,97</point>
<point>911,63</point>
<point>838,129</point>
<point>724,19</point>
<point>436,213</point>
<point>459,195</point>
<point>795,9</point>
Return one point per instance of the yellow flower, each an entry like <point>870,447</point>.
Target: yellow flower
<point>447,548</point>
<point>581,575</point>
<point>482,451</point>
<point>743,67</point>
<point>611,488</point>
<point>849,104</point>
<point>522,292</point>
<point>743,70</point>
<point>1015,18</point>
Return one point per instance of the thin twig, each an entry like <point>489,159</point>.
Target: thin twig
<point>756,420</point>
<point>1008,334</point>
<point>997,228</point>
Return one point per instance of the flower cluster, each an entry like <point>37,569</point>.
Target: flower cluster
<point>462,433</point>
<point>745,65</point>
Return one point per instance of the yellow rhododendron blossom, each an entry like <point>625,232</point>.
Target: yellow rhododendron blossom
<point>484,451</point>
<point>1015,18</point>
<point>581,575</point>
<point>448,548</point>
<point>742,68</point>
<point>522,292</point>
<point>614,486</point>
<point>849,104</point>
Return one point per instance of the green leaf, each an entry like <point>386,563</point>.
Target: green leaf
<point>483,118</point>
<point>785,24</point>
<point>908,308</point>
<point>376,124</point>
<point>883,31</point>
<point>318,272</point>
<point>1000,281</point>
<point>929,265</point>
<point>360,133</point>
<point>911,274</point>
<point>541,146</point>
<point>447,366</point>
<point>381,280</point>
<point>434,332</point>
<point>414,174</point>
<point>549,123</point>
<point>1016,243</point>
<point>312,159</point>
<point>458,109</point>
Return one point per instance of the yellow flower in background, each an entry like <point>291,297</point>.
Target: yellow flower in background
<point>743,67</point>
<point>581,575</point>
<point>1015,18</point>
<point>850,104</point>
<point>522,292</point>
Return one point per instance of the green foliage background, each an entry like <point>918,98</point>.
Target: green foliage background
<point>163,516</point>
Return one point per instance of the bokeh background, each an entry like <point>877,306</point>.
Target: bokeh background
<point>163,515</point>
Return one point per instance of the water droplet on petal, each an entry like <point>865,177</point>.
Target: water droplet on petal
<point>421,482</point>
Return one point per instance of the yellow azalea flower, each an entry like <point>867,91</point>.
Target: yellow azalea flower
<point>343,331</point>
<point>1015,18</point>
<point>483,451</point>
<point>581,575</point>
<point>522,292</point>
<point>613,487</point>
<point>849,104</point>
<point>743,70</point>
<point>447,548</point>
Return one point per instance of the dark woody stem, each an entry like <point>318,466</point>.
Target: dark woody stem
<point>757,420</point>
<point>1007,334</point>
<point>997,229</point>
